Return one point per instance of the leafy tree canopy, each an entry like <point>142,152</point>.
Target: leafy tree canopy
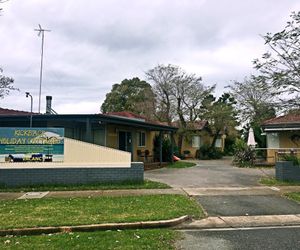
<point>220,114</point>
<point>255,99</point>
<point>130,95</point>
<point>178,95</point>
<point>280,66</point>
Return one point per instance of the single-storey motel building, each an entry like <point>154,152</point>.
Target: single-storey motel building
<point>120,130</point>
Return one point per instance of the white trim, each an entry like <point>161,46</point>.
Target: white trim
<point>280,129</point>
<point>275,148</point>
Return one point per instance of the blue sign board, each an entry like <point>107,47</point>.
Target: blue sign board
<point>31,144</point>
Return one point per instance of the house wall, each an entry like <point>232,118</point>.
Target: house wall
<point>112,139</point>
<point>205,138</point>
<point>285,139</point>
<point>285,143</point>
<point>187,143</point>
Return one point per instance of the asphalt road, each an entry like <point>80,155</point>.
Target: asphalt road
<point>211,173</point>
<point>287,238</point>
<point>239,205</point>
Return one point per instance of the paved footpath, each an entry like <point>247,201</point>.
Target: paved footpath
<point>197,192</point>
<point>87,193</point>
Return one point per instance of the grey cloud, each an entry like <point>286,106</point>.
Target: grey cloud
<point>94,44</point>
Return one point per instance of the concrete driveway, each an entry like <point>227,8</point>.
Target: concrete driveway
<point>210,173</point>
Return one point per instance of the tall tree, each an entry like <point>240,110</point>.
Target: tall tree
<point>130,95</point>
<point>163,79</point>
<point>255,99</point>
<point>6,84</point>
<point>178,94</point>
<point>220,114</point>
<point>280,65</point>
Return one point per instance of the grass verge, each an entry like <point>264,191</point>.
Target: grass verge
<point>271,181</point>
<point>80,211</point>
<point>147,184</point>
<point>294,196</point>
<point>129,239</point>
<point>181,164</point>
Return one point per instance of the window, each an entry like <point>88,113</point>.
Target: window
<point>272,140</point>
<point>142,139</point>
<point>196,141</point>
<point>218,143</point>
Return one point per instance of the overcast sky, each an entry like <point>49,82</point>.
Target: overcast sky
<point>96,43</point>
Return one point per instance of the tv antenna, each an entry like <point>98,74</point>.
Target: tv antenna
<point>41,31</point>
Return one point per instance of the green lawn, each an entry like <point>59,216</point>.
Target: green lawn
<point>294,196</point>
<point>80,211</point>
<point>181,164</point>
<point>273,182</point>
<point>147,184</point>
<point>128,239</point>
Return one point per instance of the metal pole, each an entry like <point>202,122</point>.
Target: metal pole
<point>31,100</point>
<point>41,31</point>
<point>41,72</point>
<point>31,105</point>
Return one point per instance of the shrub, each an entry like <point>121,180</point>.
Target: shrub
<point>207,153</point>
<point>166,149</point>
<point>293,158</point>
<point>229,146</point>
<point>244,155</point>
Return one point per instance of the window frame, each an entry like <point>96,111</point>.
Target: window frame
<point>140,139</point>
<point>218,143</point>
<point>193,141</point>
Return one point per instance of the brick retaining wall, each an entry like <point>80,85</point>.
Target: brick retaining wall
<point>286,171</point>
<point>13,177</point>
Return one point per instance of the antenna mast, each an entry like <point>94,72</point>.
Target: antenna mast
<point>41,31</point>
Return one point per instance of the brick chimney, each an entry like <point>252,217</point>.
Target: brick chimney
<point>48,105</point>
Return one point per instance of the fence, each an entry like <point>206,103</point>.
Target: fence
<point>272,155</point>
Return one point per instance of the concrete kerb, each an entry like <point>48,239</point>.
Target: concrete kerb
<point>242,221</point>
<point>95,227</point>
<point>254,190</point>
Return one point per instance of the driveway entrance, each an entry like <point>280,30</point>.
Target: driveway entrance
<point>210,173</point>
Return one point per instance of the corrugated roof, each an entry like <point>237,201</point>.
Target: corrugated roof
<point>126,117</point>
